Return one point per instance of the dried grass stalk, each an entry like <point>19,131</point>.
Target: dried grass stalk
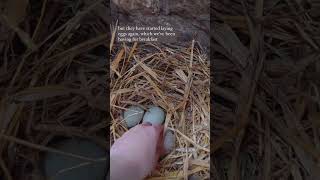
<point>176,80</point>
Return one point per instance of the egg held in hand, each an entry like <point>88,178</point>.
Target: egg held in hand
<point>155,115</point>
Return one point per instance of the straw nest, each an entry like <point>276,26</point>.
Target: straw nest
<point>176,79</point>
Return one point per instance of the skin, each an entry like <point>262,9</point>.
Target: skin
<point>136,153</point>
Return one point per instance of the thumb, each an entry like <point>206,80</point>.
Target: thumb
<point>136,151</point>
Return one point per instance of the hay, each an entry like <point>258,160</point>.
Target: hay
<point>52,74</point>
<point>266,77</point>
<point>176,79</point>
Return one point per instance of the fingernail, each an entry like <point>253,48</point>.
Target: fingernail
<point>146,124</point>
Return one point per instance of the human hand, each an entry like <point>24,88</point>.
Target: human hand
<point>136,153</point>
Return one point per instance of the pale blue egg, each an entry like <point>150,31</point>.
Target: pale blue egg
<point>155,115</point>
<point>133,115</point>
<point>73,168</point>
<point>194,177</point>
<point>169,141</point>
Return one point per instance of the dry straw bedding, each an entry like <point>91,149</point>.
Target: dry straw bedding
<point>176,79</point>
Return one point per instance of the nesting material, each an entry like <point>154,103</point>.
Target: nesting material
<point>177,80</point>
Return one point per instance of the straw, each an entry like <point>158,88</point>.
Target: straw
<point>177,80</point>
